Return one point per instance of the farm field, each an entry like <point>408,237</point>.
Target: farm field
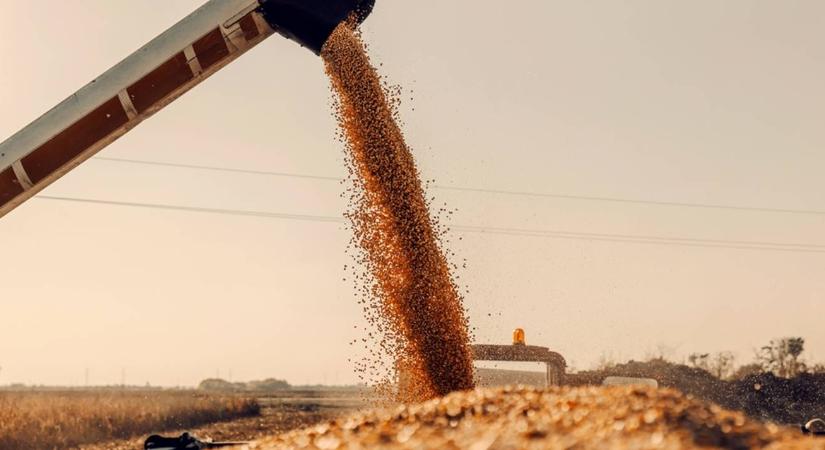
<point>280,412</point>
<point>69,419</point>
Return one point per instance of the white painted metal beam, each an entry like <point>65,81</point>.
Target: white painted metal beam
<point>213,14</point>
<point>75,130</point>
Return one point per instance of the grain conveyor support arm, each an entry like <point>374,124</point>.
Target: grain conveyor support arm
<point>151,78</point>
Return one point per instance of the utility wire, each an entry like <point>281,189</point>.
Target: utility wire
<point>586,237</point>
<point>482,190</point>
<point>217,169</point>
<point>637,239</point>
<point>228,212</point>
<point>524,231</point>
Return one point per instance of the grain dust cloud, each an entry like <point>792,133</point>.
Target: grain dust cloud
<point>409,293</point>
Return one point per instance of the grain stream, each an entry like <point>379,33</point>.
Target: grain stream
<point>411,296</point>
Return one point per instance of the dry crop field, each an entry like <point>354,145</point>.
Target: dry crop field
<point>281,411</point>
<point>64,419</point>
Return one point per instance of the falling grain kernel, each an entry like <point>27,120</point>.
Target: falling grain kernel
<point>411,296</point>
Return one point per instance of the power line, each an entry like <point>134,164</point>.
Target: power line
<point>217,169</point>
<point>229,212</point>
<point>636,202</point>
<point>483,190</point>
<point>637,239</point>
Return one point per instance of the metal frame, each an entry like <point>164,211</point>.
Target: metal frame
<point>214,13</point>
<point>554,362</point>
<point>224,15</point>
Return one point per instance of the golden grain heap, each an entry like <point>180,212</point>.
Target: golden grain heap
<point>411,290</point>
<point>555,418</point>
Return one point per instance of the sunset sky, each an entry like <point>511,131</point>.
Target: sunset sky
<point>662,101</point>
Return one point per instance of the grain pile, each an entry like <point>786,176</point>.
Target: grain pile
<point>524,418</point>
<point>409,294</point>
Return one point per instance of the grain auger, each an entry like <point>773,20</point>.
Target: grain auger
<point>151,78</point>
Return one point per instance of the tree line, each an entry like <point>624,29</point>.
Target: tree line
<point>217,384</point>
<point>782,357</point>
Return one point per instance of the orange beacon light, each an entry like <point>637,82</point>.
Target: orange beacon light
<point>518,337</point>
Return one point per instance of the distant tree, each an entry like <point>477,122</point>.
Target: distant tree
<point>270,384</point>
<point>721,365</point>
<point>700,361</point>
<point>818,369</point>
<point>606,361</point>
<point>782,356</point>
<point>217,384</point>
<point>747,370</point>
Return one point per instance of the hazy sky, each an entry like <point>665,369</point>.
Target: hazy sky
<point>668,101</point>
